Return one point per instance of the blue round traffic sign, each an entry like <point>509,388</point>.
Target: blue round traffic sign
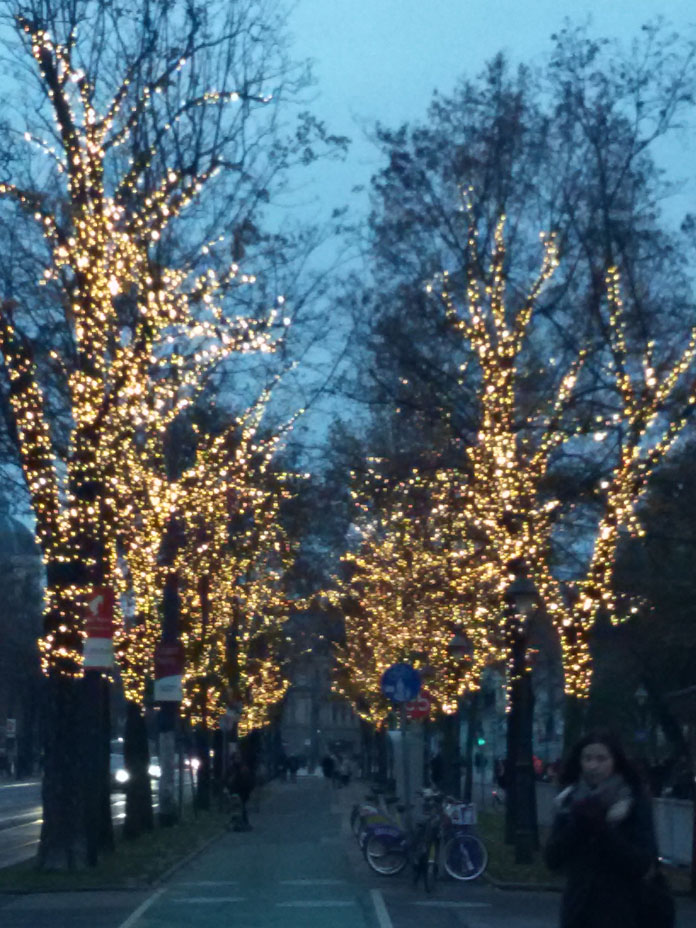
<point>401,682</point>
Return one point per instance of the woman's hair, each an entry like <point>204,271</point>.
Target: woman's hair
<point>571,767</point>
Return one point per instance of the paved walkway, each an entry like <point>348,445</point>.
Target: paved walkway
<point>298,868</point>
<point>290,870</point>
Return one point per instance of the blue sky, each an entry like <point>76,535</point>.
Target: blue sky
<point>382,59</point>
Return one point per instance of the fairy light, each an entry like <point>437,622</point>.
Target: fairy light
<point>500,501</point>
<point>119,388</point>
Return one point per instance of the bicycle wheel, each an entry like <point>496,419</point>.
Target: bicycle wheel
<point>466,857</point>
<point>386,855</point>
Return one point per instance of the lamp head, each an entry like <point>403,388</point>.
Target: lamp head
<point>522,596</point>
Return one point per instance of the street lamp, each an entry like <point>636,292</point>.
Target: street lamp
<point>641,698</point>
<point>521,823</point>
<point>522,596</point>
<point>460,650</point>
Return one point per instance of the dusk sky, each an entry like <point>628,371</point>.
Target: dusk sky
<point>382,59</point>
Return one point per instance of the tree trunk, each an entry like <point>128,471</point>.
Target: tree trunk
<point>574,720</point>
<point>168,809</point>
<point>511,751</point>
<point>202,741</point>
<point>136,755</point>
<point>63,844</point>
<point>105,826</point>
<point>217,760</point>
<point>169,710</point>
<point>521,827</point>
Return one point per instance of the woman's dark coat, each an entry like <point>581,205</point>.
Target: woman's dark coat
<point>605,860</point>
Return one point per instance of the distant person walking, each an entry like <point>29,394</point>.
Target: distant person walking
<point>344,770</point>
<point>327,765</point>
<point>241,783</point>
<point>603,837</point>
<point>293,766</point>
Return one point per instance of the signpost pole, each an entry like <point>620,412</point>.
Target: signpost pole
<point>401,683</point>
<point>405,759</point>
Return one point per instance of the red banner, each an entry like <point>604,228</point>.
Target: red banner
<point>169,660</point>
<point>100,613</point>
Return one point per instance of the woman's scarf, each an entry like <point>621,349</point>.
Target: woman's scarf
<point>614,794</point>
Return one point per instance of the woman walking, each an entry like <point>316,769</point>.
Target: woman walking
<point>603,837</point>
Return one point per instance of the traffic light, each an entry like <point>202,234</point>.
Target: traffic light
<point>480,737</point>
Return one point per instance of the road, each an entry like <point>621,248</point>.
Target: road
<point>298,868</point>
<point>20,818</point>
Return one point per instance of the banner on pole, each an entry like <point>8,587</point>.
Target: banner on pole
<point>98,650</point>
<point>169,672</point>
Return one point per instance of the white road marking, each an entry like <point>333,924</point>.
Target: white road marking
<point>314,903</point>
<point>210,900</point>
<point>381,909</point>
<point>209,883</point>
<point>443,904</point>
<point>312,882</point>
<point>34,821</point>
<point>134,916</point>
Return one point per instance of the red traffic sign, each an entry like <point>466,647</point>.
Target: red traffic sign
<point>419,708</point>
<point>169,660</point>
<point>99,619</point>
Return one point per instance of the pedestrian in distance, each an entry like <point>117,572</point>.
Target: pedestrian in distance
<point>336,771</point>
<point>293,766</point>
<point>327,766</point>
<point>345,771</point>
<point>603,838</point>
<point>241,783</point>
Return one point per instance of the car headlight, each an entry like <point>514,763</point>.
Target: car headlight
<point>121,775</point>
<point>154,770</point>
<point>195,763</point>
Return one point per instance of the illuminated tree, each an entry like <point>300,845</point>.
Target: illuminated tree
<point>504,513</point>
<point>415,583</point>
<point>142,336</point>
<point>511,461</point>
<point>230,561</point>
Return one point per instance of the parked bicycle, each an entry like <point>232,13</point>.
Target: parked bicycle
<point>445,828</point>
<point>464,854</point>
<point>377,810</point>
<point>389,846</point>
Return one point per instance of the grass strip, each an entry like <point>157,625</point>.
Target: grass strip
<point>134,863</point>
<point>501,856</point>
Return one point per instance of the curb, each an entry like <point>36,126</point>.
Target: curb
<point>506,885</point>
<point>164,877</point>
<point>520,887</point>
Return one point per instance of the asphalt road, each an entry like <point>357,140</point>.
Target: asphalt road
<point>20,820</point>
<point>298,868</point>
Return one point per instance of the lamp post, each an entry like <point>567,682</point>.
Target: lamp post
<point>641,698</point>
<point>521,819</point>
<point>460,650</point>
